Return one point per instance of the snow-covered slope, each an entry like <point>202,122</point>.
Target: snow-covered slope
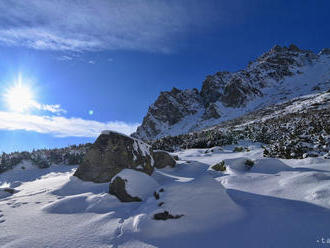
<point>276,203</point>
<point>278,75</point>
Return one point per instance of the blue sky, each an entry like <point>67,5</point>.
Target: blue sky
<point>114,57</point>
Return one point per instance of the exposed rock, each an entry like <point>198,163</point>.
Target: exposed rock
<point>10,190</point>
<point>163,159</point>
<point>156,195</point>
<point>132,185</point>
<point>166,215</point>
<point>176,157</point>
<point>213,86</point>
<point>297,128</point>
<point>111,153</point>
<point>117,188</point>
<point>183,111</point>
<point>169,108</point>
<point>212,111</point>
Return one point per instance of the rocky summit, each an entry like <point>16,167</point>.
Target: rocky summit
<point>111,153</point>
<point>280,74</point>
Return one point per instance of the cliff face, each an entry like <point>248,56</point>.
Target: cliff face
<point>278,75</point>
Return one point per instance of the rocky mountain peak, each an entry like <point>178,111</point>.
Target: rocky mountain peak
<point>280,73</point>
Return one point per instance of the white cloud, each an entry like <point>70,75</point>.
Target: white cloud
<point>102,24</point>
<point>55,108</point>
<point>61,126</point>
<point>64,58</point>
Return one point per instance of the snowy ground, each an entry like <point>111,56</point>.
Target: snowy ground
<point>277,203</point>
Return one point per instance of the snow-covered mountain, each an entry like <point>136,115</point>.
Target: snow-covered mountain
<point>278,75</point>
<point>297,128</point>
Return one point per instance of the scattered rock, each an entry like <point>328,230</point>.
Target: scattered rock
<point>219,166</point>
<point>238,149</point>
<point>156,195</point>
<point>249,163</point>
<point>10,190</point>
<point>166,215</point>
<point>163,159</point>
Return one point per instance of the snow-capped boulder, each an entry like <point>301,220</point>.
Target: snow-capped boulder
<point>132,186</point>
<point>163,159</point>
<point>111,153</point>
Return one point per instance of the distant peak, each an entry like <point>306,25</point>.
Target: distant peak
<point>293,47</point>
<point>325,51</point>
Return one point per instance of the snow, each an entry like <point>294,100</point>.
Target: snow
<point>138,183</point>
<point>305,78</point>
<point>276,203</point>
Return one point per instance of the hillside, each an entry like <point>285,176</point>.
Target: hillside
<point>276,76</point>
<point>298,128</point>
<point>271,203</point>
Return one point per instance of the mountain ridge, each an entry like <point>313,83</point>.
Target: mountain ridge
<point>278,75</point>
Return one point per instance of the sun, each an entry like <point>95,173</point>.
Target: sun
<point>19,98</point>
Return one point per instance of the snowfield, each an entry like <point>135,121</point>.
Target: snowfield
<point>276,203</point>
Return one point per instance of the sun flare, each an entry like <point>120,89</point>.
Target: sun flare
<point>19,98</point>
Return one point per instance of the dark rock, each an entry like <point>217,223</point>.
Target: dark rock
<point>161,204</point>
<point>213,86</point>
<point>163,159</point>
<point>156,195</point>
<point>166,215</point>
<point>111,153</point>
<point>117,188</point>
<point>211,111</point>
<point>176,157</point>
<point>170,107</point>
<point>10,190</point>
<point>161,190</point>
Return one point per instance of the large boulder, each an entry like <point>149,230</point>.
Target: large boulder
<point>163,159</point>
<point>111,153</point>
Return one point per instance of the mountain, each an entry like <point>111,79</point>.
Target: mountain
<point>294,129</point>
<point>278,75</point>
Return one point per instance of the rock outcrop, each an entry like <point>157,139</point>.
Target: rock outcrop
<point>111,153</point>
<point>280,74</point>
<point>132,186</point>
<point>163,159</point>
<point>293,129</point>
<point>170,108</point>
<point>118,188</point>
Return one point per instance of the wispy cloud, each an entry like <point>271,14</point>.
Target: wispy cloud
<point>60,126</point>
<point>102,24</point>
<point>64,58</point>
<point>55,108</point>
